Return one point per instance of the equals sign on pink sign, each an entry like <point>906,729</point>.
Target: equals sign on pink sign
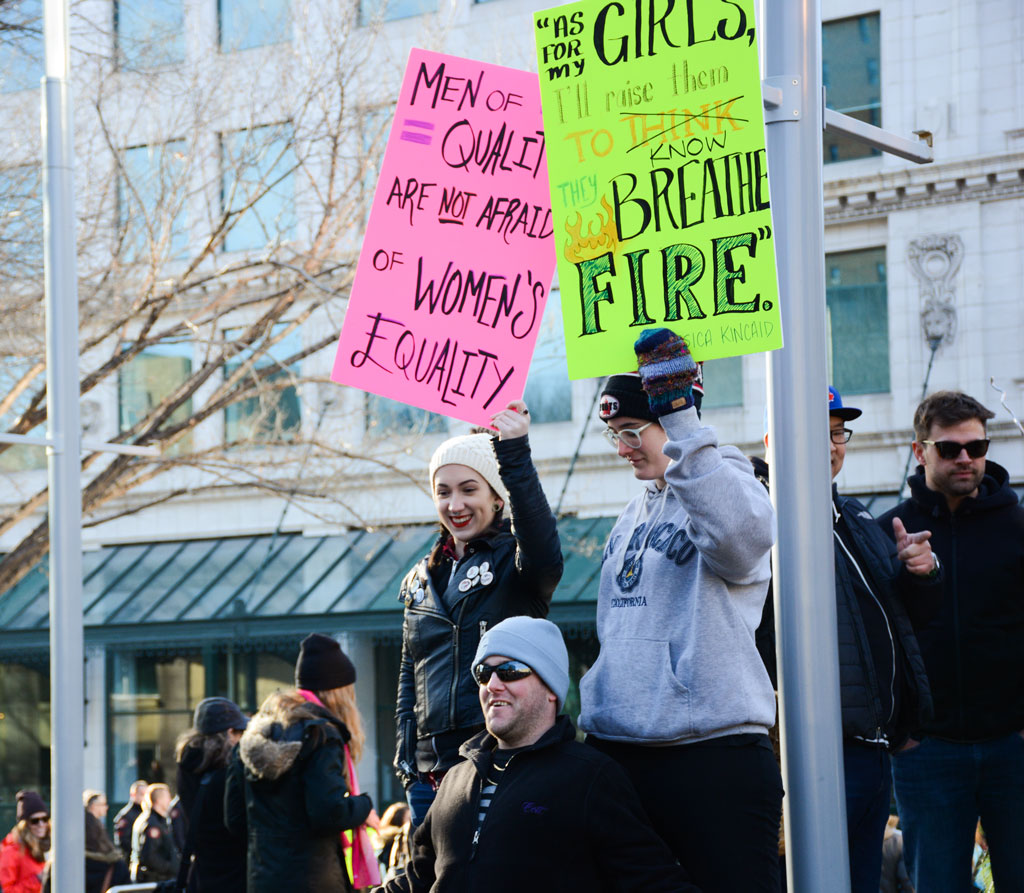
<point>411,136</point>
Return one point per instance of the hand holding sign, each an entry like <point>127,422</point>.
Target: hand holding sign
<point>914,550</point>
<point>513,421</point>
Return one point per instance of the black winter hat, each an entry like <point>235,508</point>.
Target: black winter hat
<point>215,715</point>
<point>322,665</point>
<point>29,803</point>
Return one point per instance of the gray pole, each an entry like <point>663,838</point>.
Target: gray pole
<point>805,605</point>
<point>67,726</point>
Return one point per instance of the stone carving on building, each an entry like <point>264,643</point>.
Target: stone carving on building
<point>935,261</point>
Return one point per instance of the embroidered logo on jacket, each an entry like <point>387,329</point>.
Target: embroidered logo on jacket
<point>531,808</point>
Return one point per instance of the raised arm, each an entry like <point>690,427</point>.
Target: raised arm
<point>538,548</point>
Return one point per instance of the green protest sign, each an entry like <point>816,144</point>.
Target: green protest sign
<point>659,181</point>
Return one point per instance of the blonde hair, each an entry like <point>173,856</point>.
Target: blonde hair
<point>28,841</point>
<point>342,703</point>
<point>153,789</point>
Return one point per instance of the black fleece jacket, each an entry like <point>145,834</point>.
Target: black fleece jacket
<point>564,817</point>
<point>973,646</point>
<point>861,548</point>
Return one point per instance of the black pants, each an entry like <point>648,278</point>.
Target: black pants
<point>717,804</point>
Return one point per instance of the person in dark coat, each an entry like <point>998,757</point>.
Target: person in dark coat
<point>202,754</point>
<point>288,784</point>
<point>882,681</point>
<point>154,856</point>
<point>124,821</point>
<point>531,808</point>
<point>105,865</point>
<point>967,762</point>
<point>498,555</point>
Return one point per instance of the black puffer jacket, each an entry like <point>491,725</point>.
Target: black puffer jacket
<point>973,646</point>
<point>564,817</point>
<point>511,572</point>
<point>895,589</point>
<point>286,787</point>
<point>219,855</point>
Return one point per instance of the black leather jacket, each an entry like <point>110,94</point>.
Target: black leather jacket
<point>896,590</point>
<point>436,691</point>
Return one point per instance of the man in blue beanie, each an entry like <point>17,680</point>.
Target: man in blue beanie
<point>530,808</point>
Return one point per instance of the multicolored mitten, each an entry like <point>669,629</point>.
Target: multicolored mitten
<point>666,369</point>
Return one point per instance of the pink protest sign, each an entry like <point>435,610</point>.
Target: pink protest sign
<point>458,256</point>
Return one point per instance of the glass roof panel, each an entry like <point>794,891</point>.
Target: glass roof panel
<point>104,588</point>
<point>208,559</point>
<point>135,582</point>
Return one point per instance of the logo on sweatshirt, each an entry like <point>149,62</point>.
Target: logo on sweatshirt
<point>666,538</point>
<point>531,808</point>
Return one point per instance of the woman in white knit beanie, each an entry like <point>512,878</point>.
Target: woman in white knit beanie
<point>497,556</point>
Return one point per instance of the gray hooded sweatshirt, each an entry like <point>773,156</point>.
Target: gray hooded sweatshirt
<point>683,583</point>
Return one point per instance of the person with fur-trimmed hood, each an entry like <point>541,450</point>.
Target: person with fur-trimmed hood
<point>288,785</point>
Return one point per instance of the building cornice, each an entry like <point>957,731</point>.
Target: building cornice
<point>880,193</point>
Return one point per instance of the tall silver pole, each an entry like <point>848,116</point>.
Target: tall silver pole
<point>67,726</point>
<point>805,605</point>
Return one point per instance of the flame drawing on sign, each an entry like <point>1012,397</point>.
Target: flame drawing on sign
<point>598,237</point>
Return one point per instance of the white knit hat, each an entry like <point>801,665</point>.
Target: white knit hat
<point>474,451</point>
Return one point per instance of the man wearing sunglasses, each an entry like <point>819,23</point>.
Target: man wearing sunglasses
<point>882,680</point>
<point>530,808</point>
<point>968,761</point>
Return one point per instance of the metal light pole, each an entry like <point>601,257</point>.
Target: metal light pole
<point>64,434</point>
<point>805,604</point>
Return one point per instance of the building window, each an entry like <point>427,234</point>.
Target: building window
<point>24,734</point>
<point>388,10</point>
<point>548,390</point>
<point>151,202</point>
<point>272,414</point>
<point>385,417</point>
<point>152,699</point>
<point>850,72</point>
<point>258,186</point>
<point>21,223</point>
<point>149,377</point>
<point>20,457</point>
<point>245,24</point>
<point>150,33</point>
<point>21,46</point>
<point>723,383</point>
<point>858,321</point>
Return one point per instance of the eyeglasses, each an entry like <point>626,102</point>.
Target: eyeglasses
<point>509,671</point>
<point>840,435</point>
<point>950,449</point>
<point>39,821</point>
<point>629,436</point>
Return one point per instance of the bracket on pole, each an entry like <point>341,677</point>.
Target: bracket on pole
<point>97,446</point>
<point>919,150</point>
<point>781,98</point>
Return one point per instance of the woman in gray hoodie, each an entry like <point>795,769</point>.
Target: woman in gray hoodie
<point>679,695</point>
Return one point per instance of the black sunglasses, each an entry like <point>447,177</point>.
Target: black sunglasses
<point>39,821</point>
<point>950,449</point>
<point>509,671</point>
